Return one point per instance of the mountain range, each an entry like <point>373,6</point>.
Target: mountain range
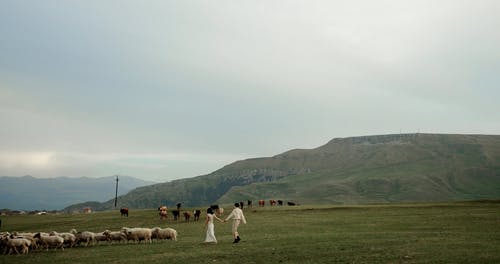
<point>368,169</point>
<point>30,193</point>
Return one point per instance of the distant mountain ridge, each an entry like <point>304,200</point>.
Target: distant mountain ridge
<point>368,169</point>
<point>30,193</point>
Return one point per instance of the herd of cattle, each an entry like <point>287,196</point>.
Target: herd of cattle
<point>163,210</point>
<point>22,243</point>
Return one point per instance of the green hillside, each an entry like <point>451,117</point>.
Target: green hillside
<point>371,169</point>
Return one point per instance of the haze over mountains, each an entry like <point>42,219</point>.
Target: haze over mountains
<point>370,169</point>
<point>29,193</point>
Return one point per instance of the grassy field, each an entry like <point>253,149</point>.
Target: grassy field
<point>467,232</point>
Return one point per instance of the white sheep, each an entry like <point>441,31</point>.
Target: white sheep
<point>22,234</point>
<point>86,237</point>
<point>138,234</point>
<point>115,236</point>
<point>166,233</point>
<point>69,238</point>
<point>13,244</point>
<point>30,237</point>
<point>101,237</point>
<point>10,244</point>
<point>54,241</point>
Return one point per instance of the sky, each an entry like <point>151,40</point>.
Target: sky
<point>163,90</point>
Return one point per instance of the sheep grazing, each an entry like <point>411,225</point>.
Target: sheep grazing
<point>24,242</point>
<point>115,236</point>
<point>13,244</point>
<point>23,234</point>
<point>101,237</point>
<point>54,241</point>
<point>166,233</point>
<point>69,238</point>
<point>28,236</point>
<point>138,234</point>
<point>84,237</point>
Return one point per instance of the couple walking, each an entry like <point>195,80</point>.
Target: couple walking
<point>236,215</point>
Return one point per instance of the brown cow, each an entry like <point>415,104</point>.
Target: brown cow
<point>262,203</point>
<point>124,212</point>
<point>187,216</point>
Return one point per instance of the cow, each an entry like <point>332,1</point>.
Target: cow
<point>187,216</point>
<point>124,211</point>
<point>176,214</point>
<point>291,203</point>
<point>249,203</point>
<point>163,212</point>
<point>272,202</point>
<point>262,203</point>
<point>280,202</point>
<point>241,205</point>
<point>197,214</point>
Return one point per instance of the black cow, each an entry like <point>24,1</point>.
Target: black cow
<point>197,214</point>
<point>176,214</point>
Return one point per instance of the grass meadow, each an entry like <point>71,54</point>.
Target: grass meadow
<point>466,232</point>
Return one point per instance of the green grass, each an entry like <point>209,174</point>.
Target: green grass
<point>466,232</point>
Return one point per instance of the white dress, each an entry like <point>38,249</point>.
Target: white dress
<point>210,230</point>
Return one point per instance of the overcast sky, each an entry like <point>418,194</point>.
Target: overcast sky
<point>162,90</point>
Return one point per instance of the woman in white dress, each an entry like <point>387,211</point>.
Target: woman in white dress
<point>209,223</point>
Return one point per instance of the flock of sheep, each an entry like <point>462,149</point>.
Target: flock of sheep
<point>22,243</point>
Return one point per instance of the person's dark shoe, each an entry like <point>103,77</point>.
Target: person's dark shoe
<point>238,238</point>
<point>235,241</point>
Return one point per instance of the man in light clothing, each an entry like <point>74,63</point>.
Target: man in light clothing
<point>237,215</point>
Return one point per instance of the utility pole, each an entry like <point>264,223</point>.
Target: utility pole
<point>116,192</point>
